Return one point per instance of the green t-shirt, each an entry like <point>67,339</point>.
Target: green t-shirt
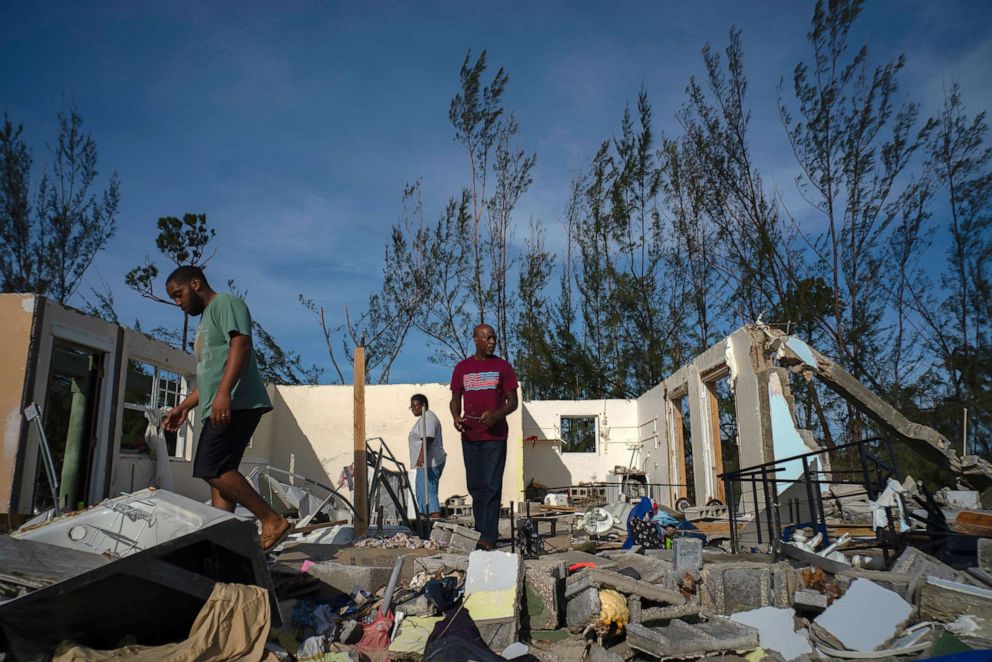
<point>224,315</point>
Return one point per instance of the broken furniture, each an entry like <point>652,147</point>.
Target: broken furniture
<point>127,524</point>
<point>153,594</point>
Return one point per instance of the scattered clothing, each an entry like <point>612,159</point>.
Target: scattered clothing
<point>232,625</point>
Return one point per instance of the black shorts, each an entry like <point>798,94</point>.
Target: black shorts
<point>220,448</point>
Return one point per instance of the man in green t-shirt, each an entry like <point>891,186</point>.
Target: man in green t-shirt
<point>230,395</point>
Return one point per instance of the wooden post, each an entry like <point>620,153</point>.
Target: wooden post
<point>361,475</point>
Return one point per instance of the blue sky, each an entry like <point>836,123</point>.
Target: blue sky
<point>294,126</point>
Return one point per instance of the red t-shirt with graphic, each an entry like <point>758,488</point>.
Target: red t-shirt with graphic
<point>483,385</point>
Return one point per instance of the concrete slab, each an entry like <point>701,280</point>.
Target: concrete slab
<point>575,556</point>
<point>582,609</point>
<point>650,569</point>
<point>777,631</point>
<point>865,617</point>
<point>985,554</point>
<point>919,566</point>
<point>679,640</point>
<point>440,563</point>
<point>544,583</point>
<point>809,599</point>
<point>688,554</point>
<point>943,601</point>
<point>346,578</point>
<point>493,588</point>
<point>583,579</point>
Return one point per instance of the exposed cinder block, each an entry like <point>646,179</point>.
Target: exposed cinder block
<point>458,539</point>
<point>579,581</point>
<point>544,593</point>
<point>734,587</point>
<point>688,554</point>
<point>985,554</point>
<point>346,578</point>
<point>807,598</point>
<point>651,569</point>
<point>683,640</point>
<point>493,587</point>
<point>582,609</point>
<point>416,606</point>
<point>440,563</point>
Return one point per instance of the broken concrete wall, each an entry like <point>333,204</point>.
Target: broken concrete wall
<point>652,421</point>
<point>554,465</point>
<point>37,326</point>
<point>17,313</point>
<point>923,439</point>
<point>738,359</point>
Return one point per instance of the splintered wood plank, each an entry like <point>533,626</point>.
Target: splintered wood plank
<point>974,523</point>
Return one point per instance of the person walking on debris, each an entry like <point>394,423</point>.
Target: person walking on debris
<point>487,386</point>
<point>427,430</point>
<point>230,395</point>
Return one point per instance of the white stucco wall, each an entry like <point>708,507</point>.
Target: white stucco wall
<point>652,423</point>
<point>617,436</point>
<point>310,431</point>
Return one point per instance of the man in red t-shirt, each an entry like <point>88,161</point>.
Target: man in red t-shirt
<point>487,386</point>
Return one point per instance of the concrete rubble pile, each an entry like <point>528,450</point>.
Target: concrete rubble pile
<point>399,597</point>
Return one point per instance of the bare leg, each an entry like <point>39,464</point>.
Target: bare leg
<point>218,501</point>
<point>232,487</point>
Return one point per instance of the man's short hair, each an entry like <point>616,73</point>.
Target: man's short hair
<point>420,397</point>
<point>184,274</point>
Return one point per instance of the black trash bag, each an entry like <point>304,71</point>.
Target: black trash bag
<point>442,593</point>
<point>457,639</point>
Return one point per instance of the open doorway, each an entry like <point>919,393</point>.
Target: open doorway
<point>723,422</point>
<point>683,476</point>
<point>71,401</point>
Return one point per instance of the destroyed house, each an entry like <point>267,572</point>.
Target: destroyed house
<point>101,388</point>
<point>97,385</point>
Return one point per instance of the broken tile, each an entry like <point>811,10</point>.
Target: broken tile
<point>776,631</point>
<point>865,617</point>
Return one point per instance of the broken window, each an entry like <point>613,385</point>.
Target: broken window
<point>578,434</point>
<point>70,421</point>
<point>149,392</point>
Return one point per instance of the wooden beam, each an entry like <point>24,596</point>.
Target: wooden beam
<point>361,475</point>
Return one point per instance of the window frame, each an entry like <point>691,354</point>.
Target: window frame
<point>565,446</point>
<point>157,389</point>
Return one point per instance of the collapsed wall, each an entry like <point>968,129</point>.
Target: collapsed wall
<point>800,357</point>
